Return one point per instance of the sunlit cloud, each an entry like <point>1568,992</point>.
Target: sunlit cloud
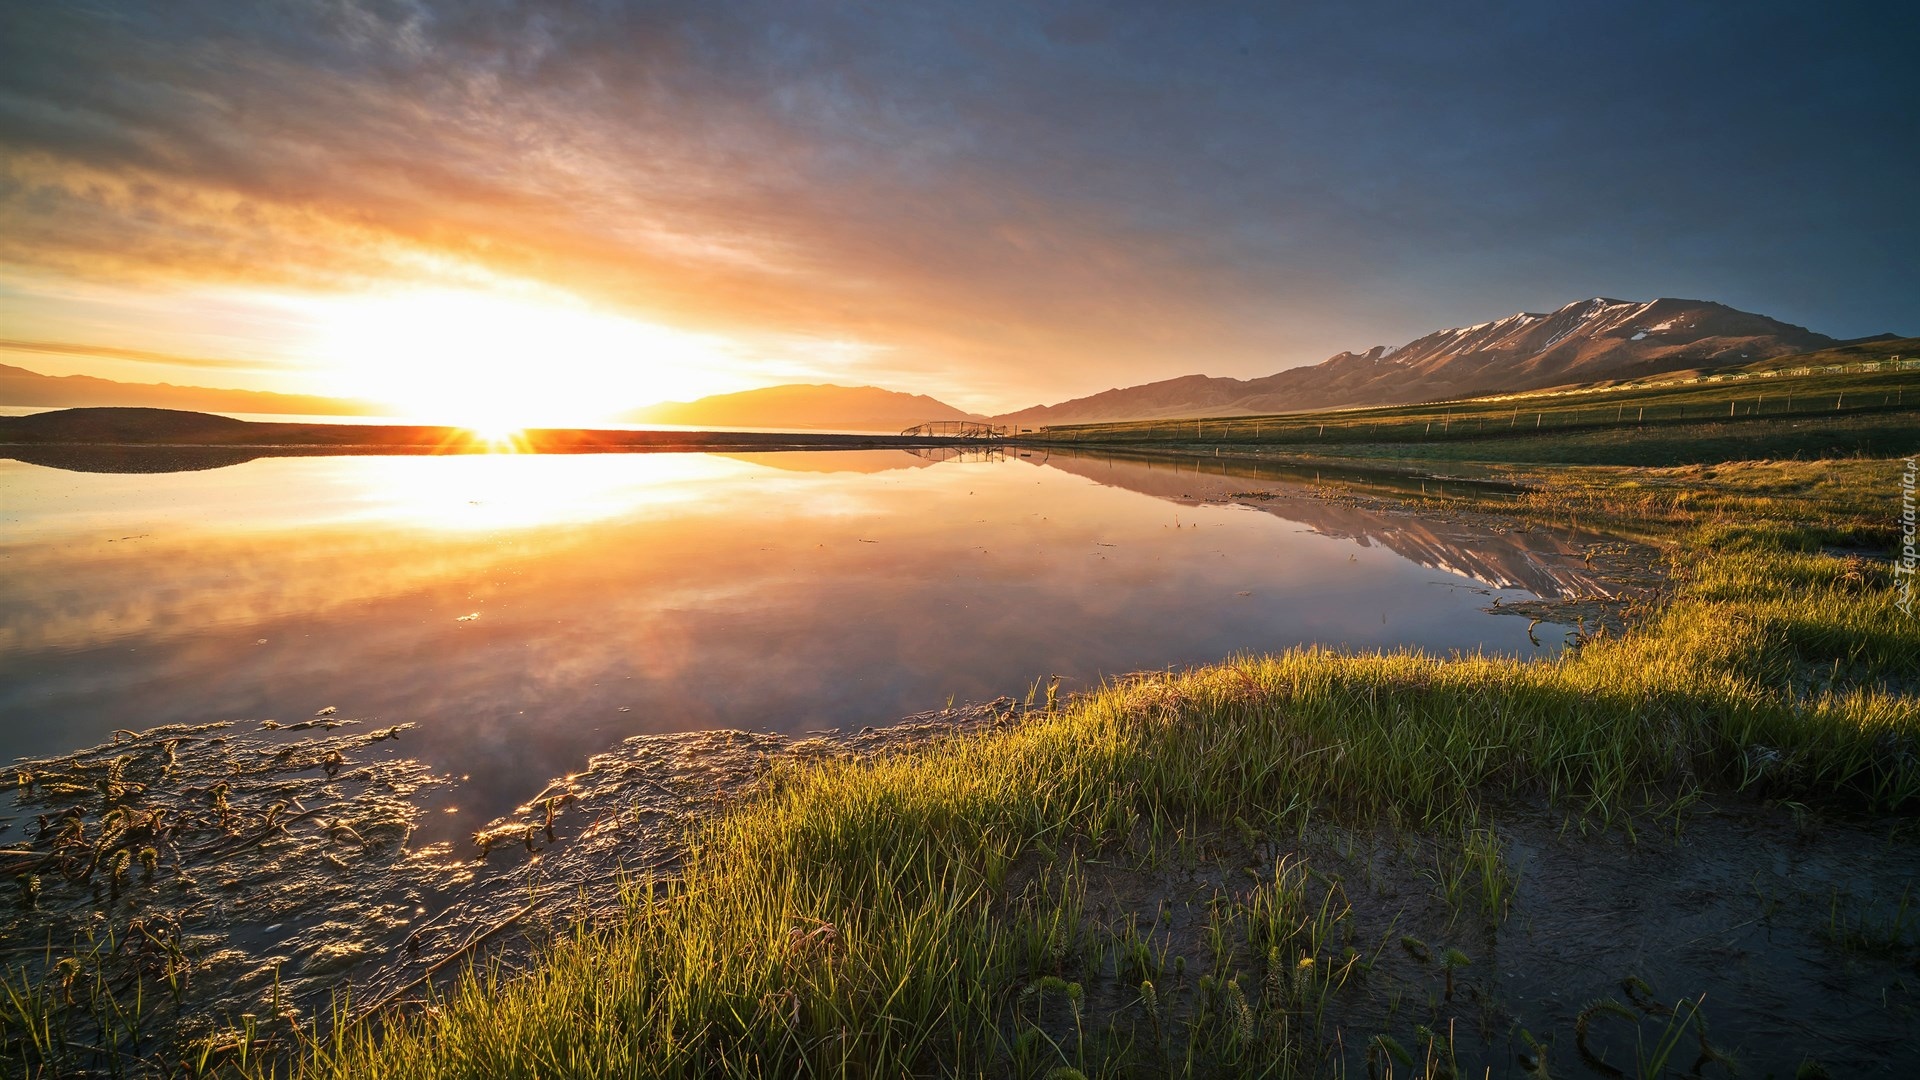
<point>140,356</point>
<point>493,361</point>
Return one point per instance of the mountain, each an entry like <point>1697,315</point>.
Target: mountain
<point>1585,341</point>
<point>804,406</point>
<point>18,386</point>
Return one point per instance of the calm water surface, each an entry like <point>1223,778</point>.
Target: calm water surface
<point>527,612</point>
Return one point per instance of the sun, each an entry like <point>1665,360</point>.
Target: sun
<point>498,437</point>
<point>497,363</point>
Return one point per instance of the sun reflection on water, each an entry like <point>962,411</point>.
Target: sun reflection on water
<point>507,489</point>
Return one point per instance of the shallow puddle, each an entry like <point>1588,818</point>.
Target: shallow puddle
<point>1751,941</point>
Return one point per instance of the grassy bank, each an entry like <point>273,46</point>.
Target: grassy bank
<point>1760,413</point>
<point>977,909</point>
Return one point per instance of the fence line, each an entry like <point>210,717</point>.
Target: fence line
<point>1422,426</point>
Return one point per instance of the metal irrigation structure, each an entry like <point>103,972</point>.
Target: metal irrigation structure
<point>960,452</point>
<point>957,429</point>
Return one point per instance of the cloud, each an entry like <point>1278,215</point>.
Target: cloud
<point>142,356</point>
<point>1024,202</point>
<point>727,176</point>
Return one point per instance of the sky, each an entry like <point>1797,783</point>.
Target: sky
<point>577,206</point>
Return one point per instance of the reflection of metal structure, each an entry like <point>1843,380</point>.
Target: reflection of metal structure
<point>959,453</point>
<point>957,429</point>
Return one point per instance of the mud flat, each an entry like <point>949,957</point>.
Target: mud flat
<point>181,884</point>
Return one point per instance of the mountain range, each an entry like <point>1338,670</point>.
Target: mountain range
<point>18,386</point>
<point>803,405</point>
<point>1588,341</point>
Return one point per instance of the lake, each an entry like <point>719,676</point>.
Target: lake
<point>526,612</point>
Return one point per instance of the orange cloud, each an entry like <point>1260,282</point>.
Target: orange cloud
<point>670,197</point>
<point>142,356</point>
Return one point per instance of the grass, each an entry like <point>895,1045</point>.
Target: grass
<point>930,914</point>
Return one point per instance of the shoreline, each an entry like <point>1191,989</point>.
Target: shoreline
<point>284,858</point>
<point>134,440</point>
<point>162,428</point>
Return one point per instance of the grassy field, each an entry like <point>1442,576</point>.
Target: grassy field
<point>1664,422</point>
<point>934,914</point>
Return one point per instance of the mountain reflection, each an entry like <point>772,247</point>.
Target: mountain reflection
<point>1546,562</point>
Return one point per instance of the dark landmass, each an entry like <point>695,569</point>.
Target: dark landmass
<point>165,440</point>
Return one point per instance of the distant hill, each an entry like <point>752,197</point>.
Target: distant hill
<point>1878,347</point>
<point>108,424</point>
<point>18,386</point>
<point>1583,342</point>
<point>805,406</point>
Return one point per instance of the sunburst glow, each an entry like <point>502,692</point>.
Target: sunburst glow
<point>499,363</point>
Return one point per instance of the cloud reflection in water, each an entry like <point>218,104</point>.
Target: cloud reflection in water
<point>624,594</point>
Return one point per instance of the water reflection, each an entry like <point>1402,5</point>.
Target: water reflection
<point>1545,562</point>
<point>131,459</point>
<point>528,611</point>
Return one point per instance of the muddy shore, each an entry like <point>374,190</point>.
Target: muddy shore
<point>267,871</point>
